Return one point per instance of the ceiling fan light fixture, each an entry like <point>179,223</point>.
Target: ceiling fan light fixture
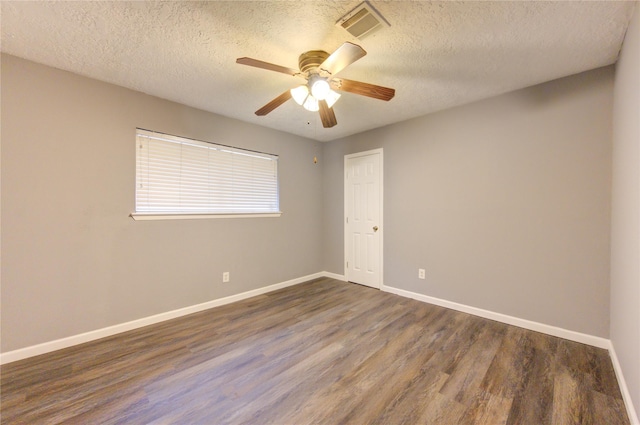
<point>320,88</point>
<point>300,94</point>
<point>318,68</point>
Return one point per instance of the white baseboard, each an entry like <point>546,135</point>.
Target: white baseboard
<point>47,347</point>
<point>335,276</point>
<point>510,320</point>
<point>626,396</point>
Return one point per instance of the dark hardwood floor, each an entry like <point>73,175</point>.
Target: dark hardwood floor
<point>323,352</point>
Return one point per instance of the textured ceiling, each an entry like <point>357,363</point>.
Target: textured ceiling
<point>435,54</point>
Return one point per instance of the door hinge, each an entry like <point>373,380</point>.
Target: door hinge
<point>347,264</point>
<point>347,220</point>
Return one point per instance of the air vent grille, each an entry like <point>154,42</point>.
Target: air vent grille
<point>362,21</point>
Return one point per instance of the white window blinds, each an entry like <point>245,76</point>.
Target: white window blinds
<point>183,176</point>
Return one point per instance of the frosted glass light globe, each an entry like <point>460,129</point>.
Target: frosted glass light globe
<point>311,104</point>
<point>332,98</point>
<point>320,89</point>
<point>300,94</point>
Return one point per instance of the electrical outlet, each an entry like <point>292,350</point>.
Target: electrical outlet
<point>225,277</point>
<point>421,274</point>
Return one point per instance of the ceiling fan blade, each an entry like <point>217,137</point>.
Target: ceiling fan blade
<point>274,103</point>
<point>344,56</point>
<point>363,89</point>
<point>327,116</point>
<point>266,65</point>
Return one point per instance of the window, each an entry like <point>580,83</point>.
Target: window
<point>183,178</point>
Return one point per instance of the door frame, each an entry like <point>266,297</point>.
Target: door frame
<point>379,152</point>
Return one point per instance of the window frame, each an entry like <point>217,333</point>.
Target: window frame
<point>182,215</point>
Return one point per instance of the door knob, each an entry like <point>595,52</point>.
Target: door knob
<point>375,228</point>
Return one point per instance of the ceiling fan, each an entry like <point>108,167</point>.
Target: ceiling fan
<point>319,69</point>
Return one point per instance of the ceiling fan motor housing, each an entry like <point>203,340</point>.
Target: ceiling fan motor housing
<point>311,59</point>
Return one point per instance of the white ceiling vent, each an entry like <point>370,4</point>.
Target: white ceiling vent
<point>362,21</point>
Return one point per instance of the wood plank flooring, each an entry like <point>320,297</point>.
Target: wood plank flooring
<point>323,352</point>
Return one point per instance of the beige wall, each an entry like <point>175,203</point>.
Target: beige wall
<point>504,202</point>
<point>72,259</point>
<point>625,223</point>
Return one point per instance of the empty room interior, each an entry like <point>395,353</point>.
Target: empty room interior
<point>320,212</point>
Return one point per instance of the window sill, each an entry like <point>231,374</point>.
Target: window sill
<point>186,216</point>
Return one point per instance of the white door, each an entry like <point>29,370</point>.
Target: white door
<point>363,218</point>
